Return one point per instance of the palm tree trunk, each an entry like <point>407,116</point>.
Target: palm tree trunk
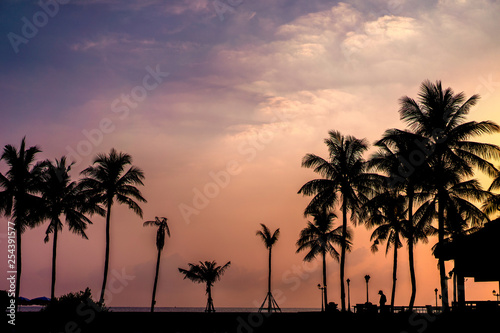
<point>153,301</point>
<point>442,268</point>
<point>269,304</point>
<point>54,256</point>
<point>210,302</point>
<point>324,280</point>
<point>106,256</point>
<point>394,276</point>
<point>343,252</point>
<point>410,249</point>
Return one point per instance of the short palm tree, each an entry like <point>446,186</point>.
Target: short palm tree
<point>205,272</point>
<point>320,238</point>
<point>269,240</point>
<point>343,175</point>
<point>387,212</point>
<point>61,197</point>
<point>161,224</point>
<point>106,181</point>
<point>18,200</point>
<point>439,116</point>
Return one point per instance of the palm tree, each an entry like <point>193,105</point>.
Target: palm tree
<point>402,159</point>
<point>343,174</point>
<point>160,243</point>
<point>387,212</point>
<point>319,238</point>
<point>205,272</point>
<point>18,199</point>
<point>439,116</point>
<point>61,197</point>
<point>106,182</point>
<point>269,240</point>
<point>417,230</point>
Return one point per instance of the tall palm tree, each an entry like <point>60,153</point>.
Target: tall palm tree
<point>61,197</point>
<point>160,243</point>
<point>106,181</point>
<point>343,175</point>
<point>269,240</point>
<point>205,272</point>
<point>320,238</point>
<point>387,212</point>
<point>439,116</point>
<point>18,200</point>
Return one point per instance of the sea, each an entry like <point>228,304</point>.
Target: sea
<point>34,308</point>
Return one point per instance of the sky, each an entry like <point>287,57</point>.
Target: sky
<point>217,102</point>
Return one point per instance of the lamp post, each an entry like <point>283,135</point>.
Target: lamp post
<point>496,294</point>
<point>436,292</point>
<point>367,278</point>
<point>322,290</point>
<point>348,295</point>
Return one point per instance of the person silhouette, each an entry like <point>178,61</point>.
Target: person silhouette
<point>382,301</point>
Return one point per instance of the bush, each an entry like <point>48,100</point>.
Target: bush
<point>78,307</point>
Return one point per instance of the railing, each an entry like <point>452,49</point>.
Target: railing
<point>469,305</point>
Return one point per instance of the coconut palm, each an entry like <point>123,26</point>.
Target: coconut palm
<point>205,272</point>
<point>62,198</point>
<point>344,176</point>
<point>402,158</point>
<point>387,212</point>
<point>106,181</point>
<point>18,200</point>
<point>439,115</point>
<point>320,238</point>
<point>269,240</point>
<point>161,224</point>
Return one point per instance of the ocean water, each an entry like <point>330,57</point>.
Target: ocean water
<point>33,308</point>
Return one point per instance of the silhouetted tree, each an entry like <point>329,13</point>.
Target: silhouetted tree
<point>320,237</point>
<point>269,240</point>
<point>387,212</point>
<point>161,224</point>
<point>439,116</point>
<point>106,181</point>
<point>18,200</point>
<point>343,175</point>
<point>61,197</point>
<point>206,272</point>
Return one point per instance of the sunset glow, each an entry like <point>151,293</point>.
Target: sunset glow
<point>218,108</point>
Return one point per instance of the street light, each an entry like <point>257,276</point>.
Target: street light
<point>436,292</point>
<point>367,278</point>
<point>348,295</point>
<point>496,294</point>
<point>322,291</point>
